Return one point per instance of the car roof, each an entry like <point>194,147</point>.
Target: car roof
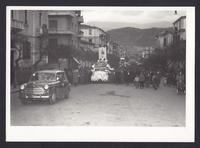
<point>50,71</point>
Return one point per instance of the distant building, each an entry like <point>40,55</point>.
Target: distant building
<point>177,38</point>
<point>86,46</point>
<point>94,35</point>
<point>147,52</point>
<point>165,39</point>
<point>169,37</point>
<point>179,28</point>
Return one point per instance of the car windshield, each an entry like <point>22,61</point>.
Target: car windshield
<point>42,76</point>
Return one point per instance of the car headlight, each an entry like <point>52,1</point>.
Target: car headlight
<point>22,87</point>
<point>46,86</point>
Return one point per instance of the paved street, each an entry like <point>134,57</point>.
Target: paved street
<point>105,105</point>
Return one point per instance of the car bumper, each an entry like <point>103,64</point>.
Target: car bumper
<point>34,97</point>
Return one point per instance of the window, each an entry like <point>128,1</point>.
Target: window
<point>180,24</point>
<point>176,28</point>
<point>12,14</point>
<point>53,42</point>
<point>53,25</point>
<point>26,50</point>
<point>40,19</point>
<point>90,31</point>
<point>165,42</point>
<point>90,40</point>
<point>25,17</point>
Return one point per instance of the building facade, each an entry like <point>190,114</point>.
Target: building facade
<point>94,35</point>
<point>27,28</point>
<point>170,37</point>
<point>179,28</point>
<point>86,45</point>
<point>175,40</point>
<point>28,41</point>
<point>146,52</point>
<point>64,28</point>
<point>165,39</point>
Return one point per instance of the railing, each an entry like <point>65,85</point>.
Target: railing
<point>66,13</point>
<point>56,31</point>
<point>17,24</point>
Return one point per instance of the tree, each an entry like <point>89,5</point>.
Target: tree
<point>113,60</point>
<point>156,60</point>
<point>162,58</point>
<point>177,52</point>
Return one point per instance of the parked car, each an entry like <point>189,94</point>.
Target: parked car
<point>45,85</point>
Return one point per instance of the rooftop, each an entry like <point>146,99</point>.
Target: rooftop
<point>94,27</point>
<point>182,17</point>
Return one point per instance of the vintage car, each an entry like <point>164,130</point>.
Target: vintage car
<point>45,85</point>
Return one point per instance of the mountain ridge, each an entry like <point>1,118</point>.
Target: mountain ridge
<point>135,39</point>
<point>114,25</point>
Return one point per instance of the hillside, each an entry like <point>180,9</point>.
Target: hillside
<point>134,39</point>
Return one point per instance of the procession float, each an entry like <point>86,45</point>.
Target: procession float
<point>101,69</point>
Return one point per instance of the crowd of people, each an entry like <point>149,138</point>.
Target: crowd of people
<point>150,78</point>
<point>140,78</point>
<point>79,76</point>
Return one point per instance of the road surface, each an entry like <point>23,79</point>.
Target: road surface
<point>104,105</point>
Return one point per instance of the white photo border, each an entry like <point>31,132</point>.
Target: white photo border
<point>109,134</point>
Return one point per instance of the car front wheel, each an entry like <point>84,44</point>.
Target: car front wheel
<point>53,98</point>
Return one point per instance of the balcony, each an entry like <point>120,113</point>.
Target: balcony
<point>62,13</point>
<point>17,25</point>
<point>62,32</point>
<point>80,34</point>
<point>80,19</point>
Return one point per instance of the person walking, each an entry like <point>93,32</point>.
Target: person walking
<point>180,84</point>
<point>75,77</point>
<point>136,80</point>
<point>70,75</point>
<point>155,80</point>
<point>141,80</point>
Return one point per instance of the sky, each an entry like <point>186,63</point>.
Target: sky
<point>110,19</point>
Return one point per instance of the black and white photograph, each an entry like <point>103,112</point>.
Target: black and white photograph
<point>100,73</point>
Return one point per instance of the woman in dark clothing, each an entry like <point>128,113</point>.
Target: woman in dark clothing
<point>141,80</point>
